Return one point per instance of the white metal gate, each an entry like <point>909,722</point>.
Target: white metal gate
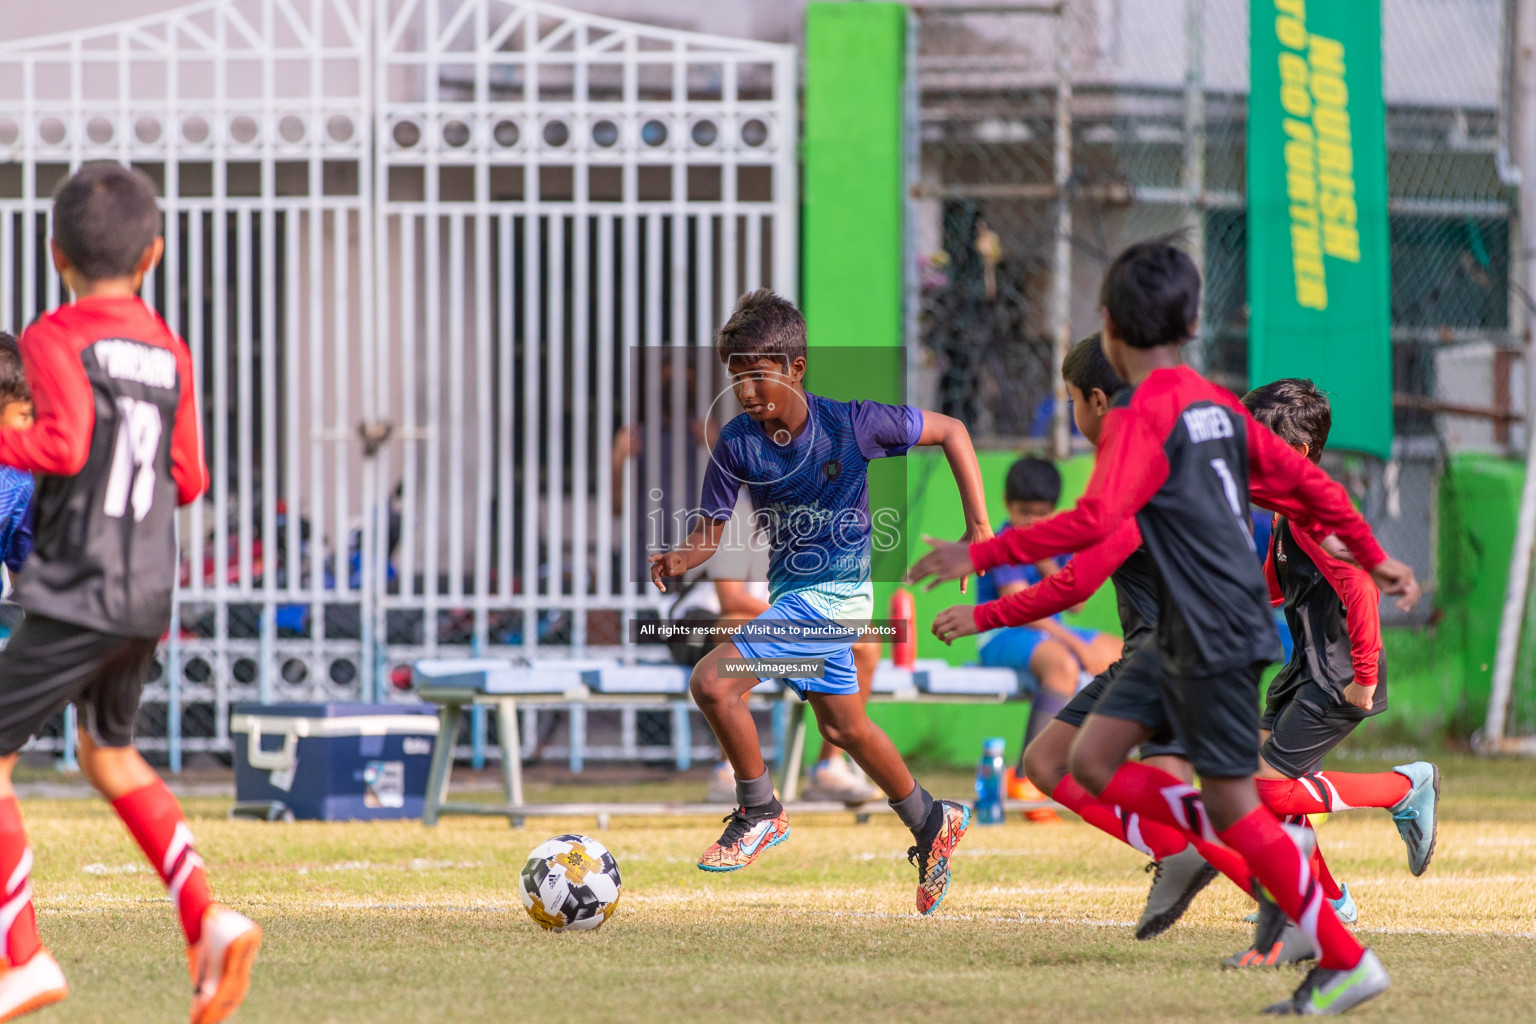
<point>412,245</point>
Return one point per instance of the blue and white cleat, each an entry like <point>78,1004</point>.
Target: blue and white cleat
<point>1415,815</point>
<point>1344,906</point>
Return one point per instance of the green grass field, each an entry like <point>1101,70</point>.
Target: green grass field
<point>395,922</point>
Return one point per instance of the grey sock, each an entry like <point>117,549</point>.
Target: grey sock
<point>914,808</point>
<point>1047,704</point>
<point>755,792</point>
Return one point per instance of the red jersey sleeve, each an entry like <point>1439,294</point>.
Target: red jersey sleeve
<point>63,406</point>
<point>1362,606</point>
<point>1283,481</point>
<point>1276,598</point>
<point>1074,584</point>
<point>187,466</point>
<point>1130,468</point>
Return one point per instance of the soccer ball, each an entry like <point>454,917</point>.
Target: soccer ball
<point>570,882</point>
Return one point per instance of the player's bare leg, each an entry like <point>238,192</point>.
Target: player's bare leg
<point>831,777</point>
<point>1058,671</point>
<point>723,702</point>
<point>221,944</point>
<point>31,977</point>
<point>758,822</point>
<point>937,825</point>
<point>1047,759</point>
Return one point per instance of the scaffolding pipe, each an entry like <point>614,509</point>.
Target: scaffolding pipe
<point>1061,306</point>
<point>1493,738</point>
<point>1194,152</point>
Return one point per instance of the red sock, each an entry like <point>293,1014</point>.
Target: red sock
<point>155,819</point>
<point>1324,877</point>
<point>1284,873</point>
<point>1163,799</point>
<point>18,919</point>
<point>1151,838</point>
<point>1316,792</point>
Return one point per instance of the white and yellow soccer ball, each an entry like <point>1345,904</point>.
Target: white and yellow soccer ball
<point>570,883</point>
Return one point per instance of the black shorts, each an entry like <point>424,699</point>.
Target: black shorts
<point>1306,722</point>
<point>1133,704</point>
<point>49,664</point>
<point>1216,717</point>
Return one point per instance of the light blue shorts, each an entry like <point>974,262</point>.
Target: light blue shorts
<point>761,638</point>
<point>1013,646</point>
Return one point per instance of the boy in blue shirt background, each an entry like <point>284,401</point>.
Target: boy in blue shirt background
<point>15,484</point>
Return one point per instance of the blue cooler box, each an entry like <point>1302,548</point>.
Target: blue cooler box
<point>335,762</point>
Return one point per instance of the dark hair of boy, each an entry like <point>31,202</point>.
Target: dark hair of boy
<point>104,217</point>
<point>1295,410</point>
<point>1032,479</point>
<point>1086,368</point>
<point>763,324</point>
<point>1152,293</point>
<point>13,375</point>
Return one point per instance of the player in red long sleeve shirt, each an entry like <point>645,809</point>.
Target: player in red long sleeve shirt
<point>1181,869</point>
<point>116,446</point>
<point>1178,453</point>
<point>1332,682</point>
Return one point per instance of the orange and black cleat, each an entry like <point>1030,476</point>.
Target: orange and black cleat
<point>933,862</point>
<point>746,837</point>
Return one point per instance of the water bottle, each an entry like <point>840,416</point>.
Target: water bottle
<point>989,783</point>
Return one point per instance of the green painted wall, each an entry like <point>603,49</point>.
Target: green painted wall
<point>1449,681</point>
<point>852,229</point>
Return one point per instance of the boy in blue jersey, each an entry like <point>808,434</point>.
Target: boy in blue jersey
<point>15,484</point>
<point>804,462</point>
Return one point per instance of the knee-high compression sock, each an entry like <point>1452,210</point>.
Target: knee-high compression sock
<point>1316,792</point>
<point>1155,840</point>
<point>155,819</point>
<point>1286,875</point>
<point>1274,859</point>
<point>1152,838</point>
<point>18,919</point>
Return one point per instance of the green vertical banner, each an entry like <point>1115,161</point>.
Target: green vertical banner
<point>1318,273</point>
<point>852,235</point>
<point>855,65</point>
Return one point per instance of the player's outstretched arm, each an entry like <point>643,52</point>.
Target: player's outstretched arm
<point>1130,467</point>
<point>701,543</point>
<point>1077,581</point>
<point>188,468</point>
<point>951,435</point>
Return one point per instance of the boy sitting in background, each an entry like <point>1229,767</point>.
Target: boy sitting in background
<point>1056,655</point>
<point>15,484</point>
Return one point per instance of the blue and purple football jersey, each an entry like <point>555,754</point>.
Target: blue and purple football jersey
<point>811,494</point>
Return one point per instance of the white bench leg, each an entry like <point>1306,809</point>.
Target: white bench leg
<point>511,756</point>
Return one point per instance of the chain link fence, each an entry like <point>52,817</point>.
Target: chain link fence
<point>1157,113</point>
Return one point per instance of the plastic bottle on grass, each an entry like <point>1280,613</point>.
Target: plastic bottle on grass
<point>989,783</point>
